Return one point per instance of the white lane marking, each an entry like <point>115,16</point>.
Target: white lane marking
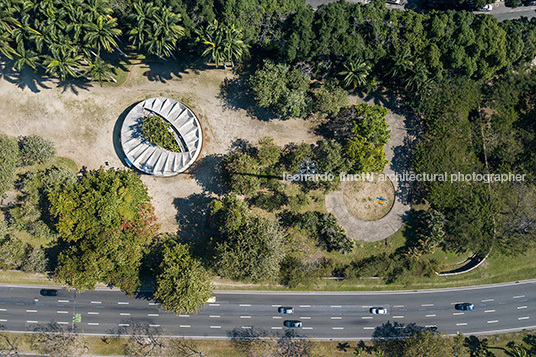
<point>493,321</point>
<point>366,306</point>
<point>153,303</point>
<point>457,313</point>
<point>519,307</point>
<point>399,305</point>
<point>366,317</point>
<point>307,328</point>
<point>336,318</point>
<point>276,328</point>
<point>244,305</point>
<point>154,325</point>
<point>523,318</point>
<point>519,296</point>
<point>368,328</point>
<point>62,312</point>
<point>185,326</point>
<point>427,305</point>
<point>93,323</point>
<point>276,305</point>
<point>184,315</point>
<point>276,317</point>
<point>153,315</point>
<point>31,322</point>
<point>124,325</point>
<point>3,320</point>
<point>305,305</point>
<point>246,327</point>
<point>337,328</point>
<point>124,314</point>
<point>305,317</point>
<point>397,317</point>
<point>431,315</point>
<point>245,317</point>
<point>92,313</point>
<point>31,310</point>
<point>215,316</point>
<point>335,306</point>
<point>487,300</point>
<point>489,310</point>
<point>430,326</point>
<point>122,303</point>
<point>96,302</point>
<point>462,324</point>
<point>63,300</point>
<point>62,323</point>
<point>2,309</point>
<point>213,304</point>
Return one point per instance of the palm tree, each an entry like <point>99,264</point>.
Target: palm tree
<point>417,78</point>
<point>100,71</point>
<point>142,17</point>
<point>401,63</point>
<point>26,57</point>
<point>213,37</point>
<point>5,47</point>
<point>166,31</point>
<point>94,9</point>
<point>101,35</point>
<point>355,73</point>
<point>7,21</point>
<point>235,47</point>
<point>62,64</point>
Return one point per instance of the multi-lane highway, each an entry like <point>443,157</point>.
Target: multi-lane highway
<point>335,315</point>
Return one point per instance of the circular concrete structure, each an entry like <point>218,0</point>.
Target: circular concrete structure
<point>153,159</point>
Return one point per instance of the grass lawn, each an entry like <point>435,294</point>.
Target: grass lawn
<point>56,161</point>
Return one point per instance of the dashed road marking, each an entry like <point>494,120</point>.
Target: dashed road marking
<point>337,328</point>
<point>2,309</point>
<point>92,313</point>
<point>366,306</point>
<point>523,318</point>
<point>184,315</point>
<point>214,316</point>
<point>93,323</point>
<point>122,303</point>
<point>335,306</point>
<point>457,313</point>
<point>124,325</point>
<point>493,321</point>
<point>124,314</point>
<point>96,302</point>
<point>213,304</point>
<point>462,324</point>
<point>487,300</point>
<point>336,318</point>
<point>427,305</point>
<point>431,315</point>
<point>31,310</point>
<point>276,328</point>
<point>519,296</point>
<point>153,315</point>
<point>3,320</point>
<point>276,317</point>
<point>305,317</point>
<point>307,328</point>
<point>276,305</point>
<point>430,326</point>
<point>366,317</point>
<point>244,305</point>
<point>154,325</point>
<point>305,305</point>
<point>246,327</point>
<point>184,326</point>
<point>153,303</point>
<point>62,323</point>
<point>521,307</point>
<point>398,317</point>
<point>245,317</point>
<point>62,312</point>
<point>398,305</point>
<point>63,300</point>
<point>368,328</point>
<point>489,311</point>
<point>31,322</point>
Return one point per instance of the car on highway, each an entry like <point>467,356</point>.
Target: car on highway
<point>378,311</point>
<point>292,323</point>
<point>49,292</point>
<point>464,306</point>
<point>487,7</point>
<point>285,310</point>
<point>211,299</point>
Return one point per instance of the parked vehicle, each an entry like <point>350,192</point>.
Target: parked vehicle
<point>378,311</point>
<point>49,292</point>
<point>464,306</point>
<point>285,310</point>
<point>292,323</point>
<point>486,7</point>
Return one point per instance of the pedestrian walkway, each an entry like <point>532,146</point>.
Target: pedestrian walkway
<point>397,152</point>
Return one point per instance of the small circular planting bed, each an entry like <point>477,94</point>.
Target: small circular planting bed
<point>370,199</point>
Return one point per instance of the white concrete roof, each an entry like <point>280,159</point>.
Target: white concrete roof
<point>153,159</point>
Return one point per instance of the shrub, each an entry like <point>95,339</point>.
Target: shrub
<point>9,160</point>
<point>329,99</point>
<point>159,132</point>
<point>36,149</point>
<point>35,260</point>
<point>241,174</point>
<point>268,153</point>
<point>296,203</point>
<point>271,201</point>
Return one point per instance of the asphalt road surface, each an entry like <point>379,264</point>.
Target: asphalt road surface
<point>500,12</point>
<point>336,315</point>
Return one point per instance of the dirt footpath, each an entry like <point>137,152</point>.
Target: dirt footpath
<point>82,120</point>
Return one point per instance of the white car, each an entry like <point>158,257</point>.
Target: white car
<point>211,299</point>
<point>378,311</point>
<point>487,7</point>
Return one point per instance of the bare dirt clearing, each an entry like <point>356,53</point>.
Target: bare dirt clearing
<point>82,120</point>
<point>369,200</point>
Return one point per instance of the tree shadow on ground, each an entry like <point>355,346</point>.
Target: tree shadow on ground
<point>393,331</point>
<point>74,85</point>
<point>164,70</point>
<point>116,134</point>
<point>413,228</point>
<point>400,164</point>
<point>27,78</point>
<point>192,215</point>
<point>207,173</point>
<point>235,94</point>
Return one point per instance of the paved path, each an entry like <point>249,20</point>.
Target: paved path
<point>397,152</point>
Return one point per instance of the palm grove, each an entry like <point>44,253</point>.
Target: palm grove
<point>296,61</point>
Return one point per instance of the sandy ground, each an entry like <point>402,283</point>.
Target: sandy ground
<point>83,120</point>
<point>361,200</point>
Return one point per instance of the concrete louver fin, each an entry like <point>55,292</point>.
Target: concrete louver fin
<point>166,107</point>
<point>181,118</point>
<point>140,160</point>
<point>174,112</point>
<point>150,162</point>
<point>160,164</point>
<point>149,103</point>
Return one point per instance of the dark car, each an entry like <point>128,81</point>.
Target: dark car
<point>285,310</point>
<point>292,323</point>
<point>49,292</point>
<point>464,306</point>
